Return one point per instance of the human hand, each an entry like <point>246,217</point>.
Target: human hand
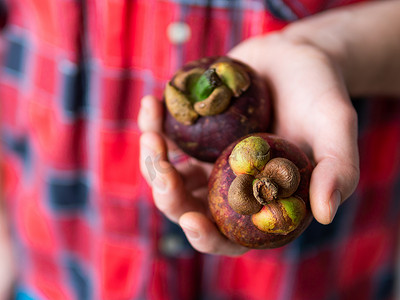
<point>179,183</point>
<point>309,68</point>
<point>313,110</point>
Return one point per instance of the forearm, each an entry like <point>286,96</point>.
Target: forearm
<point>363,41</point>
<point>7,272</point>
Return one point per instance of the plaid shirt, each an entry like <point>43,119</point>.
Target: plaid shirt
<point>82,217</point>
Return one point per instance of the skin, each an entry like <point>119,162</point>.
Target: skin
<point>7,271</point>
<point>312,67</point>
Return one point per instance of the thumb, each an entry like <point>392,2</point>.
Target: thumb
<point>337,173</point>
<point>332,182</point>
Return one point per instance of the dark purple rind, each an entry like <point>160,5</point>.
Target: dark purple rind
<point>239,228</point>
<point>209,136</point>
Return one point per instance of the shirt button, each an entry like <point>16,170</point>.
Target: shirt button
<point>171,245</point>
<point>178,32</point>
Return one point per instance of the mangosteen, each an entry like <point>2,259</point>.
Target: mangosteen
<point>212,102</point>
<point>259,191</point>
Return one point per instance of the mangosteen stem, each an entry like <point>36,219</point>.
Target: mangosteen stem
<point>204,85</point>
<point>265,190</point>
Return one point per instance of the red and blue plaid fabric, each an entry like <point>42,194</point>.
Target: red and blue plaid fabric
<point>82,217</point>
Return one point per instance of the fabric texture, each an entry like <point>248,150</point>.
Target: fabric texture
<point>83,221</point>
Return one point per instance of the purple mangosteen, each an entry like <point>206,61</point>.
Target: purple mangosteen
<point>212,102</point>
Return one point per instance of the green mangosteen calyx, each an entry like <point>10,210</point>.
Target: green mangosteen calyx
<point>265,188</point>
<point>198,92</point>
<point>202,88</point>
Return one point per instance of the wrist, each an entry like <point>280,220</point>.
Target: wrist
<point>329,44</point>
<point>363,45</point>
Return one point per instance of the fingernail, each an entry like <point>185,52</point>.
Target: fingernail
<point>191,233</point>
<point>334,202</point>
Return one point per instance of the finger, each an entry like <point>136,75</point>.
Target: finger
<point>205,237</point>
<point>169,193</point>
<point>336,174</point>
<point>150,116</point>
<point>193,175</point>
<point>332,182</point>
